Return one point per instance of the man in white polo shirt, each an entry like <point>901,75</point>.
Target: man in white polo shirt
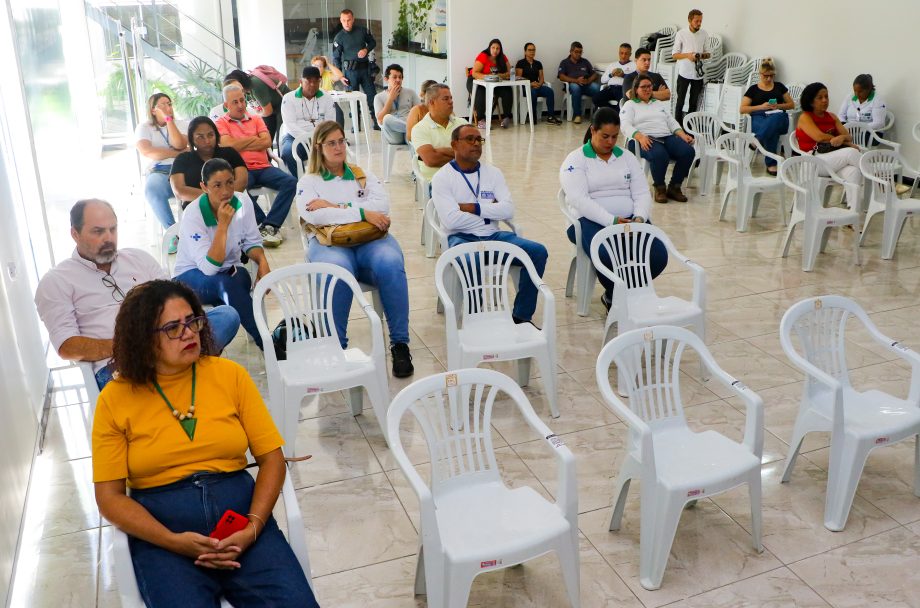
<point>79,298</point>
<point>471,198</point>
<point>431,135</point>
<point>301,110</point>
<point>689,47</point>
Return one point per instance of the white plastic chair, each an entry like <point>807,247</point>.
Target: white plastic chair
<point>802,174</point>
<point>729,113</point>
<point>714,71</point>
<point>675,464</point>
<point>389,151</point>
<point>487,332</point>
<point>883,169</point>
<point>858,421</point>
<point>635,303</point>
<point>92,393</point>
<point>471,522</point>
<point>581,272</point>
<point>738,150</point>
<point>120,553</point>
<point>316,362</point>
<point>824,181</point>
<point>300,161</point>
<point>867,138</point>
<point>365,287</point>
<point>705,129</point>
<point>567,102</point>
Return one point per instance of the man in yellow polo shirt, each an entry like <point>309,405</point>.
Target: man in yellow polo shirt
<point>431,135</point>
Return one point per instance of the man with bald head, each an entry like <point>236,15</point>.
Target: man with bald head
<point>79,298</point>
<point>248,135</point>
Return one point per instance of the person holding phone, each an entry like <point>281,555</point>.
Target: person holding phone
<point>174,427</point>
<point>491,62</point>
<point>765,102</point>
<point>605,185</point>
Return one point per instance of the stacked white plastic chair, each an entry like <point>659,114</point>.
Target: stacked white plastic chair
<point>675,464</point>
<point>858,421</point>
<point>471,522</point>
<point>802,175</point>
<point>738,150</point>
<point>487,333</point>
<point>883,169</point>
<point>316,363</point>
<point>581,278</point>
<point>705,129</point>
<point>714,75</point>
<point>729,109</point>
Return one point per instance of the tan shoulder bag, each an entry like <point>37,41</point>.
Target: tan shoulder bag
<point>346,235</point>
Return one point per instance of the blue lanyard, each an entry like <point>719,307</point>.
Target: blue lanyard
<point>475,192</point>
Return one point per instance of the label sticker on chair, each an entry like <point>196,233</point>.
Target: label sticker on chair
<point>480,246</point>
<point>490,563</point>
<point>450,380</point>
<point>627,228</point>
<point>490,357</point>
<point>881,440</point>
<point>555,440</point>
<point>818,304</point>
<point>649,336</point>
<point>739,385</point>
<point>697,492</point>
<point>312,390</point>
<point>900,347</point>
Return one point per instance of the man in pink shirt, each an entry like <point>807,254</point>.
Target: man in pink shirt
<point>249,136</point>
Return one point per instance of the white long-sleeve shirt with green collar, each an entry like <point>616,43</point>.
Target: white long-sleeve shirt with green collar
<point>605,190</point>
<point>198,227</point>
<point>345,191</point>
<point>649,118</point>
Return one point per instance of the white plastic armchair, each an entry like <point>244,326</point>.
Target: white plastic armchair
<point>487,332</point>
<point>803,175</point>
<point>867,138</point>
<point>738,150</point>
<point>300,161</point>
<point>705,128</point>
<point>316,363</point>
<point>92,394</point>
<point>883,169</point>
<point>729,109</point>
<point>581,272</point>
<point>675,464</point>
<point>859,421</point>
<point>471,522</point>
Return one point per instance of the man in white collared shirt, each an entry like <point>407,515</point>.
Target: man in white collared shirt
<point>689,47</point>
<point>79,298</point>
<point>301,110</point>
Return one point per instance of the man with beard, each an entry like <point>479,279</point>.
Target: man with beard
<point>79,298</point>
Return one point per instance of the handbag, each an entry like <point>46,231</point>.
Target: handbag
<point>824,147</point>
<point>346,235</point>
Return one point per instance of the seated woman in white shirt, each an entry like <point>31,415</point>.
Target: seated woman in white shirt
<point>159,140</point>
<point>865,106</point>
<point>606,186</point>
<point>332,192</point>
<point>661,139</point>
<point>215,230</point>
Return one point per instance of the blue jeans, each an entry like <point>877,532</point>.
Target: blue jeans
<point>659,253</point>
<point>269,573</point>
<point>276,179</point>
<point>379,263</point>
<point>287,153</point>
<point>225,288</point>
<point>577,90</point>
<point>361,79</point>
<point>663,151</point>
<point>546,91</point>
<point>525,303</point>
<point>224,322</point>
<point>767,128</point>
<point>157,191</point>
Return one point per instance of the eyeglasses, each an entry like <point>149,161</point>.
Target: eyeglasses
<point>474,139</point>
<point>768,75</point>
<point>109,281</point>
<point>335,143</point>
<point>644,86</point>
<point>175,329</point>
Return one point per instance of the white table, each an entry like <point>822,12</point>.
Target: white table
<point>489,87</point>
<point>357,101</point>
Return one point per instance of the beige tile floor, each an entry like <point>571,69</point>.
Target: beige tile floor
<point>362,517</point>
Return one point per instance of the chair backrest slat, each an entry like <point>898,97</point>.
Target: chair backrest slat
<point>652,371</point>
<point>820,326</point>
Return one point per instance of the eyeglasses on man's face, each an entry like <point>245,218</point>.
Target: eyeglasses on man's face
<point>175,329</point>
<point>474,139</point>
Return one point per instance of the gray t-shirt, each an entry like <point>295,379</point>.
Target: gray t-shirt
<point>401,105</point>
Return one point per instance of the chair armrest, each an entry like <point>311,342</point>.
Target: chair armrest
<point>549,309</point>
<point>377,345</point>
<point>278,161</point>
<point>753,403</point>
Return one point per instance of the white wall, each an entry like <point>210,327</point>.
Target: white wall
<point>600,25</point>
<point>859,38</point>
<point>262,33</point>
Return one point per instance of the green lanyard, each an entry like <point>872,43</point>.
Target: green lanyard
<point>186,421</point>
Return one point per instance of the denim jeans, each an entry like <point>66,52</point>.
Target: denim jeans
<point>525,303</point>
<point>157,191</point>
<point>663,151</point>
<point>276,179</point>
<point>225,288</point>
<point>378,263</point>
<point>659,253</point>
<point>224,322</point>
<point>361,79</point>
<point>577,90</point>
<point>269,573</point>
<point>287,153</point>
<point>767,128</point>
<point>546,91</point>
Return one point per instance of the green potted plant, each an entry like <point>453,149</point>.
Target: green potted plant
<point>401,31</point>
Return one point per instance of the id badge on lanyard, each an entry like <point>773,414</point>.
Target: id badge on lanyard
<point>475,191</point>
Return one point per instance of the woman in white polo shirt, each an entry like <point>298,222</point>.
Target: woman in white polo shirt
<point>159,140</point>
<point>605,185</point>
<point>333,192</point>
<point>215,230</point>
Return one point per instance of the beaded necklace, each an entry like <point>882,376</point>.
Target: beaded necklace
<point>186,421</point>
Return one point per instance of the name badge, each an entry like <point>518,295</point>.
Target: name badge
<point>487,196</point>
<point>865,117</point>
<point>627,177</point>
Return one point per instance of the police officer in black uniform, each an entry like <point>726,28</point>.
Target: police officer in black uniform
<point>350,48</point>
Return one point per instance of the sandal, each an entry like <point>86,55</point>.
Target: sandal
<point>774,171</point>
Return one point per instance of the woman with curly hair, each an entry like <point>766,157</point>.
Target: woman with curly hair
<point>174,426</point>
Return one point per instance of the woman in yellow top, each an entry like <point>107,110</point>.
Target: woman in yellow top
<point>330,75</point>
<point>174,427</point>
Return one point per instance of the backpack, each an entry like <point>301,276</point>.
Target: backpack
<point>272,77</point>
<point>305,330</point>
<point>653,40</point>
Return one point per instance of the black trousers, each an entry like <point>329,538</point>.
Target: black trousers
<point>696,87</point>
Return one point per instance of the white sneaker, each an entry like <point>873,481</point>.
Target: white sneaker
<point>271,236</point>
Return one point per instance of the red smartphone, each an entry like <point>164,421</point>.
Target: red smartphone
<point>230,523</point>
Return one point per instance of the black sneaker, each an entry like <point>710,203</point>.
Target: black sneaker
<point>605,300</point>
<point>402,360</point>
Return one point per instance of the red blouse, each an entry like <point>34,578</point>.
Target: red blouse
<point>825,124</point>
<point>488,62</point>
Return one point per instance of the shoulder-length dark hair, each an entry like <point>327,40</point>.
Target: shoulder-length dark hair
<point>500,60</point>
<point>807,99</point>
<point>134,347</point>
<point>197,122</point>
